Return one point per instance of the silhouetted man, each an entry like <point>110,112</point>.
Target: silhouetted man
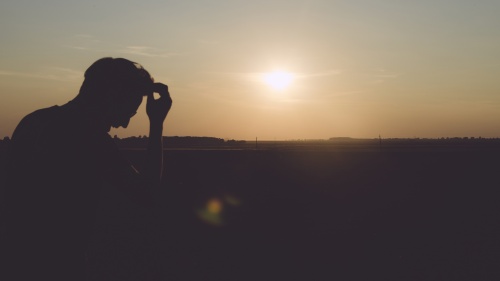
<point>61,158</point>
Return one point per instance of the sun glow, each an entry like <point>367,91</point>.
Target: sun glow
<point>279,80</point>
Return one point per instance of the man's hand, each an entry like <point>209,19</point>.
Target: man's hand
<point>157,110</point>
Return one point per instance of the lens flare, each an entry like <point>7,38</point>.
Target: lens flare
<point>218,211</point>
<point>214,206</point>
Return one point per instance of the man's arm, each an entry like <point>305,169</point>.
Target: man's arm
<point>157,111</point>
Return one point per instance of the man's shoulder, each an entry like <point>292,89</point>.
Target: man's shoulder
<point>33,123</point>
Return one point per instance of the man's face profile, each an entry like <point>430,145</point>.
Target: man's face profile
<point>124,109</point>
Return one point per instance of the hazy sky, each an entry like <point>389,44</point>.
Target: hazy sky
<point>361,67</point>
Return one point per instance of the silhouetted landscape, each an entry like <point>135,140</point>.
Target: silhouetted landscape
<point>411,209</point>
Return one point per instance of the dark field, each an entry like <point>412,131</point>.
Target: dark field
<point>306,212</point>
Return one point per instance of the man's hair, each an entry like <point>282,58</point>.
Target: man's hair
<point>111,73</point>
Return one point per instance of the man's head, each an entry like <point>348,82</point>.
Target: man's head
<point>115,87</point>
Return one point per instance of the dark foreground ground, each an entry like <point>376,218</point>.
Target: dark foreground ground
<point>307,213</point>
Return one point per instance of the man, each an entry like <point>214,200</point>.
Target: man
<point>61,158</point>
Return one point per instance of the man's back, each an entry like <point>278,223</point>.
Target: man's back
<point>56,169</point>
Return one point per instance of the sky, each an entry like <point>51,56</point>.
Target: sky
<point>359,68</point>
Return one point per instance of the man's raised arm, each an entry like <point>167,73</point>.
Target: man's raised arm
<point>157,111</point>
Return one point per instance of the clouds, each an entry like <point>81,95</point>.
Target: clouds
<point>47,73</point>
<point>327,73</point>
<point>259,76</point>
<point>382,75</point>
<point>83,42</point>
<point>88,43</point>
<point>147,52</point>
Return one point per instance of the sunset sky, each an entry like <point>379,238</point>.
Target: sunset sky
<point>357,68</point>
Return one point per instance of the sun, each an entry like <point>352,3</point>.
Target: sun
<point>279,80</point>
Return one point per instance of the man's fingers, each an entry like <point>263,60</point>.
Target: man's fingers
<point>161,89</point>
<point>151,97</point>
